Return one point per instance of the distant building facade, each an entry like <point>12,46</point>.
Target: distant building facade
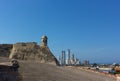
<point>68,59</point>
<point>86,62</point>
<point>63,58</point>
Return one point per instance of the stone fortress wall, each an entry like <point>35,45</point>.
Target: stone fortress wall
<point>24,51</point>
<point>23,45</point>
<point>31,51</point>
<point>5,49</point>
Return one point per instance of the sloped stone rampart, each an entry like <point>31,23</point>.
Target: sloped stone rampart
<point>5,49</point>
<point>32,51</point>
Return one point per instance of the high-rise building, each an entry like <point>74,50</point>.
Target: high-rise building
<point>72,60</point>
<point>69,57</point>
<point>66,61</point>
<point>77,61</point>
<point>68,53</point>
<point>63,58</point>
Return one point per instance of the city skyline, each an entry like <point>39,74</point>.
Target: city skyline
<point>90,28</point>
<point>68,58</point>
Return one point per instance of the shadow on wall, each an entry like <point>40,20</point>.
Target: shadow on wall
<point>7,74</point>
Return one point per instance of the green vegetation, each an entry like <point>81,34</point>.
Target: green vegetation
<point>117,72</point>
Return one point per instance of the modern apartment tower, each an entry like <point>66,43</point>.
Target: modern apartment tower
<point>69,57</point>
<point>63,58</point>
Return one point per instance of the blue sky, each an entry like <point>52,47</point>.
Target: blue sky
<point>90,28</point>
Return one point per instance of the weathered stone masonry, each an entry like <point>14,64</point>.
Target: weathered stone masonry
<point>32,51</point>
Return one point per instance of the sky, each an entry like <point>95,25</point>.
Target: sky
<point>89,28</point>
